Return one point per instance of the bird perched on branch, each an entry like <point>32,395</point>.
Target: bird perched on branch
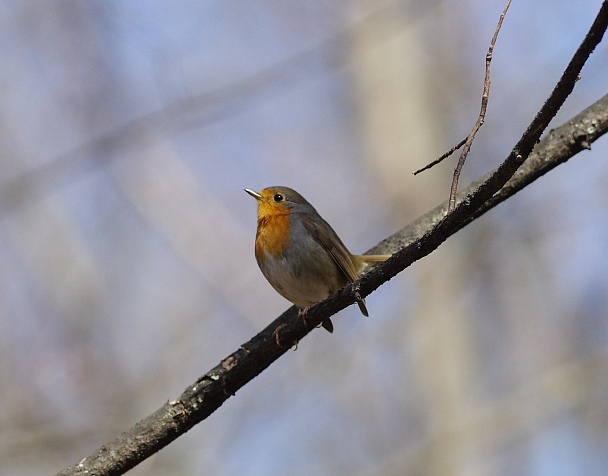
<point>300,254</point>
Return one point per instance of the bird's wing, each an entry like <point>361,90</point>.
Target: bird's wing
<point>324,234</point>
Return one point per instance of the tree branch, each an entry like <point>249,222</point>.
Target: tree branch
<point>413,242</point>
<point>482,113</point>
<point>468,140</point>
<point>201,399</point>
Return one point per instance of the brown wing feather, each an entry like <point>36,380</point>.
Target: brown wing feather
<point>324,234</point>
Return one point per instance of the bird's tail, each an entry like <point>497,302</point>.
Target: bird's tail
<point>365,262</point>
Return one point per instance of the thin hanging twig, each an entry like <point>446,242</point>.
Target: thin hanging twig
<point>482,113</point>
<point>468,141</point>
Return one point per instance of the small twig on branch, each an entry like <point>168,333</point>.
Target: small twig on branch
<point>482,114</point>
<point>444,156</point>
<point>467,142</point>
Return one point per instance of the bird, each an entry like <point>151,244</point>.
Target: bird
<point>300,254</point>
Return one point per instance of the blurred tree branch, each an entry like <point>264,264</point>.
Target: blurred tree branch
<point>416,240</point>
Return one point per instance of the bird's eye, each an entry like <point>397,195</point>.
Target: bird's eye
<point>278,197</point>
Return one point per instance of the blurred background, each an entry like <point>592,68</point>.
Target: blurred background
<point>128,131</point>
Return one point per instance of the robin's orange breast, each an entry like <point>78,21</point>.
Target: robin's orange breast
<point>272,235</point>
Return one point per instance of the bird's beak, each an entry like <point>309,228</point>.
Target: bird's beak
<point>255,195</point>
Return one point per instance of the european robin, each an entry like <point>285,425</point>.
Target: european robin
<point>300,255</point>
